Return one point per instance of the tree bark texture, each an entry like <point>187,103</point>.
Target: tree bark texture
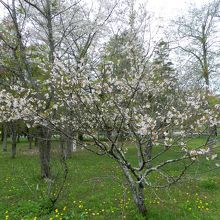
<point>44,146</point>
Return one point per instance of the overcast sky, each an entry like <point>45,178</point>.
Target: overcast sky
<point>161,8</point>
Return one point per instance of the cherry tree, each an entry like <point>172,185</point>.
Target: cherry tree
<point>42,31</point>
<point>127,107</point>
<point>138,108</point>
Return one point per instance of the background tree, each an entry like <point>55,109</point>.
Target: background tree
<point>198,38</point>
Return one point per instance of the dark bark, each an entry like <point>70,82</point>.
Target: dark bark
<point>44,145</point>
<point>35,142</point>
<point>4,138</point>
<point>13,139</point>
<point>139,200</point>
<point>30,140</point>
<point>62,146</point>
<point>80,136</point>
<point>18,138</point>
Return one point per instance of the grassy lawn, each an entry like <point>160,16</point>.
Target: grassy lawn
<point>96,189</point>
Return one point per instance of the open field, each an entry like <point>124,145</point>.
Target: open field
<point>95,189</point>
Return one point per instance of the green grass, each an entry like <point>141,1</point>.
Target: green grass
<point>96,189</point>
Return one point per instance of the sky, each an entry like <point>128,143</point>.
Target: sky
<point>162,8</point>
<point>169,8</point>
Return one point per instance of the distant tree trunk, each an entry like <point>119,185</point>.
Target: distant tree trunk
<point>36,142</point>
<point>13,139</point>
<point>80,136</point>
<point>67,146</point>
<point>30,140</point>
<point>44,145</point>
<point>62,146</point>
<point>70,147</point>
<point>18,138</point>
<point>4,137</point>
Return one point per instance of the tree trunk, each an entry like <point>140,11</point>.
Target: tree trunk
<point>137,191</point>
<point>80,136</point>
<point>30,140</point>
<point>4,138</point>
<point>44,145</point>
<point>70,147</point>
<point>18,138</point>
<point>62,146</point>
<point>35,142</point>
<point>13,139</point>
